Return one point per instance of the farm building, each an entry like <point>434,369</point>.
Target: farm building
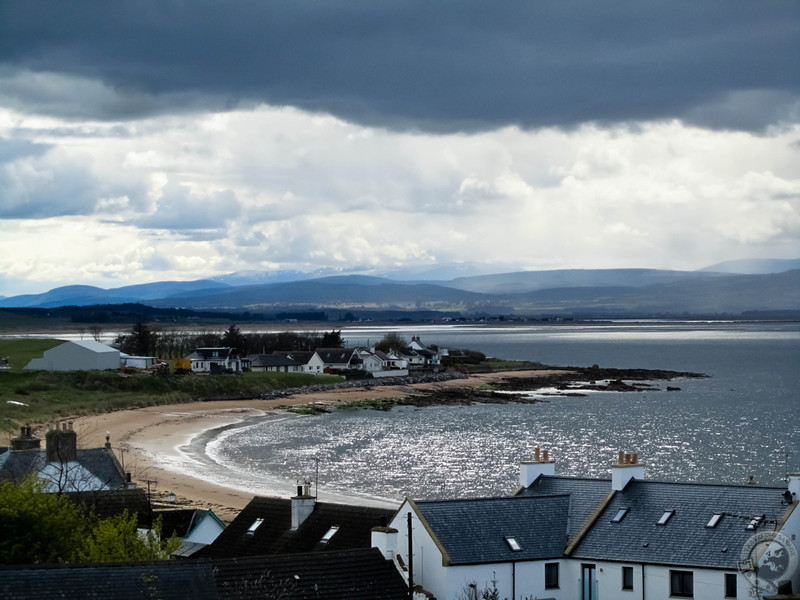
<point>82,355</point>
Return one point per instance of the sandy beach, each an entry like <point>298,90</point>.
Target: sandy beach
<point>148,440</point>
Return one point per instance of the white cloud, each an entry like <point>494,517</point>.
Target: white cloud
<point>189,197</point>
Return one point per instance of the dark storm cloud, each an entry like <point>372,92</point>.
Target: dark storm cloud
<point>432,65</point>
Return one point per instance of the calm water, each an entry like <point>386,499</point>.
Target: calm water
<point>744,419</point>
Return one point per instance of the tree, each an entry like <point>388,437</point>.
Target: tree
<point>50,528</point>
<point>332,340</point>
<point>391,341</point>
<point>141,341</point>
<point>233,338</point>
<point>117,539</point>
<point>38,527</point>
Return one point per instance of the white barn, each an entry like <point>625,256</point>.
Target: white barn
<point>83,355</point>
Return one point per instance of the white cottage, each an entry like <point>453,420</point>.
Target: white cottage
<point>591,539</point>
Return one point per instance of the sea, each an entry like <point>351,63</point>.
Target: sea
<point>741,421</point>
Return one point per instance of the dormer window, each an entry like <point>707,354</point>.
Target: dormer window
<point>513,544</point>
<point>714,521</point>
<point>329,534</point>
<point>665,517</point>
<point>620,515</point>
<point>755,523</point>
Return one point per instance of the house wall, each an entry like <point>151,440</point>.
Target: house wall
<point>206,531</point>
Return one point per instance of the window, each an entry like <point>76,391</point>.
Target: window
<point>714,521</point>
<point>252,529</point>
<point>513,544</point>
<point>665,517</point>
<point>730,585</point>
<point>681,584</point>
<point>620,515</point>
<point>329,534</point>
<point>550,575</point>
<point>627,578</point>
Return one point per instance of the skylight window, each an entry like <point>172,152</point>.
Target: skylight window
<point>513,544</point>
<point>714,521</point>
<point>329,534</point>
<point>252,529</point>
<point>665,517</point>
<point>620,515</point>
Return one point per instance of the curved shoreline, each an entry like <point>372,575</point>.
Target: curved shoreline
<point>148,441</point>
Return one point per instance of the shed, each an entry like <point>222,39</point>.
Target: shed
<point>81,355</point>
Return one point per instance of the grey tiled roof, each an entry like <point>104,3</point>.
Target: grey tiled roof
<point>128,581</point>
<point>684,540</point>
<point>351,574</point>
<point>476,531</point>
<point>272,360</point>
<point>95,468</point>
<point>275,536</point>
<point>585,495</point>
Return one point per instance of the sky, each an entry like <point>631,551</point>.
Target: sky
<point>156,140</point>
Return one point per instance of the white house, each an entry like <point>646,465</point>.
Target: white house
<point>310,362</point>
<point>215,360</point>
<point>567,537</point>
<point>83,355</point>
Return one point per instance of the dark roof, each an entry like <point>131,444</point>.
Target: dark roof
<point>301,356</point>
<point>336,355</point>
<point>351,574</point>
<point>109,581</point>
<point>95,468</point>
<point>477,531</point>
<point>210,353</point>
<point>274,535</point>
<point>272,360</point>
<point>684,539</point>
<point>585,495</point>
<point>109,503</point>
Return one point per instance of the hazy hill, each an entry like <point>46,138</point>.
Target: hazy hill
<point>584,292</point>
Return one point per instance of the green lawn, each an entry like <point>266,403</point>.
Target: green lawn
<point>37,397</point>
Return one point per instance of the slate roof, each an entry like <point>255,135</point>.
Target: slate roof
<point>338,356</point>
<point>585,495</point>
<point>109,581</point>
<point>274,535</point>
<point>109,503</point>
<point>94,469</point>
<point>684,540</point>
<point>220,353</point>
<point>272,360</point>
<point>352,574</point>
<point>476,531</point>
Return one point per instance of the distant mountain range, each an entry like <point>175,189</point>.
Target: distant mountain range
<point>734,288</point>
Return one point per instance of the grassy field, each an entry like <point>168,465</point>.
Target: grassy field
<point>36,397</point>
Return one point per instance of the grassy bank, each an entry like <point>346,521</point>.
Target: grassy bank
<point>44,396</point>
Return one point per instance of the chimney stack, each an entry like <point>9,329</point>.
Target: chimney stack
<point>530,471</point>
<point>302,505</point>
<point>25,440</point>
<point>62,445</point>
<point>628,467</point>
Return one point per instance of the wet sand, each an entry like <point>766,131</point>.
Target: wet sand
<point>148,440</point>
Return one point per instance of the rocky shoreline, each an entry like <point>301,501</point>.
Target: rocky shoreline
<point>567,381</point>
